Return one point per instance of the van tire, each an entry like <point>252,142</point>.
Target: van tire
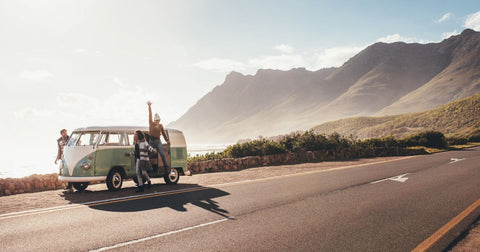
<point>114,180</point>
<point>172,177</point>
<point>80,186</point>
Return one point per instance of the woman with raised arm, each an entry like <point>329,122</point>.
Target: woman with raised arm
<point>155,130</point>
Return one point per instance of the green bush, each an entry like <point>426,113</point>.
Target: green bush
<point>338,142</point>
<point>311,141</point>
<point>474,137</point>
<point>349,147</point>
<point>254,148</point>
<point>456,140</point>
<point>388,141</point>
<point>433,139</point>
<point>206,156</point>
<point>308,141</point>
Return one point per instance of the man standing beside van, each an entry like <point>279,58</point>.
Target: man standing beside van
<point>155,129</point>
<point>61,142</point>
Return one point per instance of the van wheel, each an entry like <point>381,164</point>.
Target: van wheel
<point>172,177</point>
<point>114,180</point>
<point>80,186</point>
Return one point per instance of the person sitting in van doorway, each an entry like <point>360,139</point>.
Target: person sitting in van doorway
<point>61,142</point>
<point>155,129</point>
<point>142,164</point>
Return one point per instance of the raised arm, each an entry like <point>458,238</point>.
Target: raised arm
<point>150,120</point>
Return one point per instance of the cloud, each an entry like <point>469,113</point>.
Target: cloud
<point>312,60</point>
<point>36,75</point>
<point>123,106</point>
<point>79,51</point>
<point>473,21</point>
<point>398,38</point>
<point>118,81</point>
<point>76,102</point>
<point>444,17</point>
<point>446,35</point>
<point>283,48</point>
<point>220,65</point>
<point>281,62</point>
<point>336,56</point>
<point>395,38</point>
<point>32,113</point>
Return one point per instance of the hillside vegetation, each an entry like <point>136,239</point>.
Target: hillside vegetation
<point>455,119</point>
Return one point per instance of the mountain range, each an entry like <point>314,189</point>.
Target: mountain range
<point>383,79</point>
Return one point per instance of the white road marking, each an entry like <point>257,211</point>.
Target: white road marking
<point>67,207</point>
<point>399,178</point>
<point>86,204</point>
<point>454,160</point>
<point>123,244</point>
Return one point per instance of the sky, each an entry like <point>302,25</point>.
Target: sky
<point>70,64</point>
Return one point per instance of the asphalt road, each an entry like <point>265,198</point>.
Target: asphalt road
<point>383,206</point>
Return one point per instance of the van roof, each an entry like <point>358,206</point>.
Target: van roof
<point>121,128</point>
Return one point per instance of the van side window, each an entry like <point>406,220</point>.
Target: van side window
<point>103,139</point>
<point>130,139</point>
<point>123,139</point>
<point>114,139</point>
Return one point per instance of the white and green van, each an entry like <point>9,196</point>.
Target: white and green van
<point>97,154</point>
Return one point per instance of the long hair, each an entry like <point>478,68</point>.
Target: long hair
<point>140,135</point>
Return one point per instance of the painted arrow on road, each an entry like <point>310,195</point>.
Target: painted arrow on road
<point>399,178</point>
<point>454,160</point>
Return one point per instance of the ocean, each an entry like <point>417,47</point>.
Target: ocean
<point>41,161</point>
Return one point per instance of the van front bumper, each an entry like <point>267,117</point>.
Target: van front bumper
<point>82,179</point>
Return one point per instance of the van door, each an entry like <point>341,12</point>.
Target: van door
<point>111,151</point>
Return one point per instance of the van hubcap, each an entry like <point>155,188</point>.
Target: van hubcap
<point>173,175</point>
<point>116,180</point>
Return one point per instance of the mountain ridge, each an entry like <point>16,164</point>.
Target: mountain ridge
<point>382,79</point>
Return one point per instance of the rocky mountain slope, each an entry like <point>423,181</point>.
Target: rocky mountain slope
<point>383,79</point>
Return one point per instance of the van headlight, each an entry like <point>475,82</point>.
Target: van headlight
<point>85,165</point>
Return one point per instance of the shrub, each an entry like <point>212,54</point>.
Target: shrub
<point>388,141</point>
<point>456,140</point>
<point>338,142</point>
<point>309,141</point>
<point>349,147</point>
<point>207,156</point>
<point>475,136</point>
<point>433,139</point>
<point>254,148</point>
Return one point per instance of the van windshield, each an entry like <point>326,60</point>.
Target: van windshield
<point>83,138</point>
